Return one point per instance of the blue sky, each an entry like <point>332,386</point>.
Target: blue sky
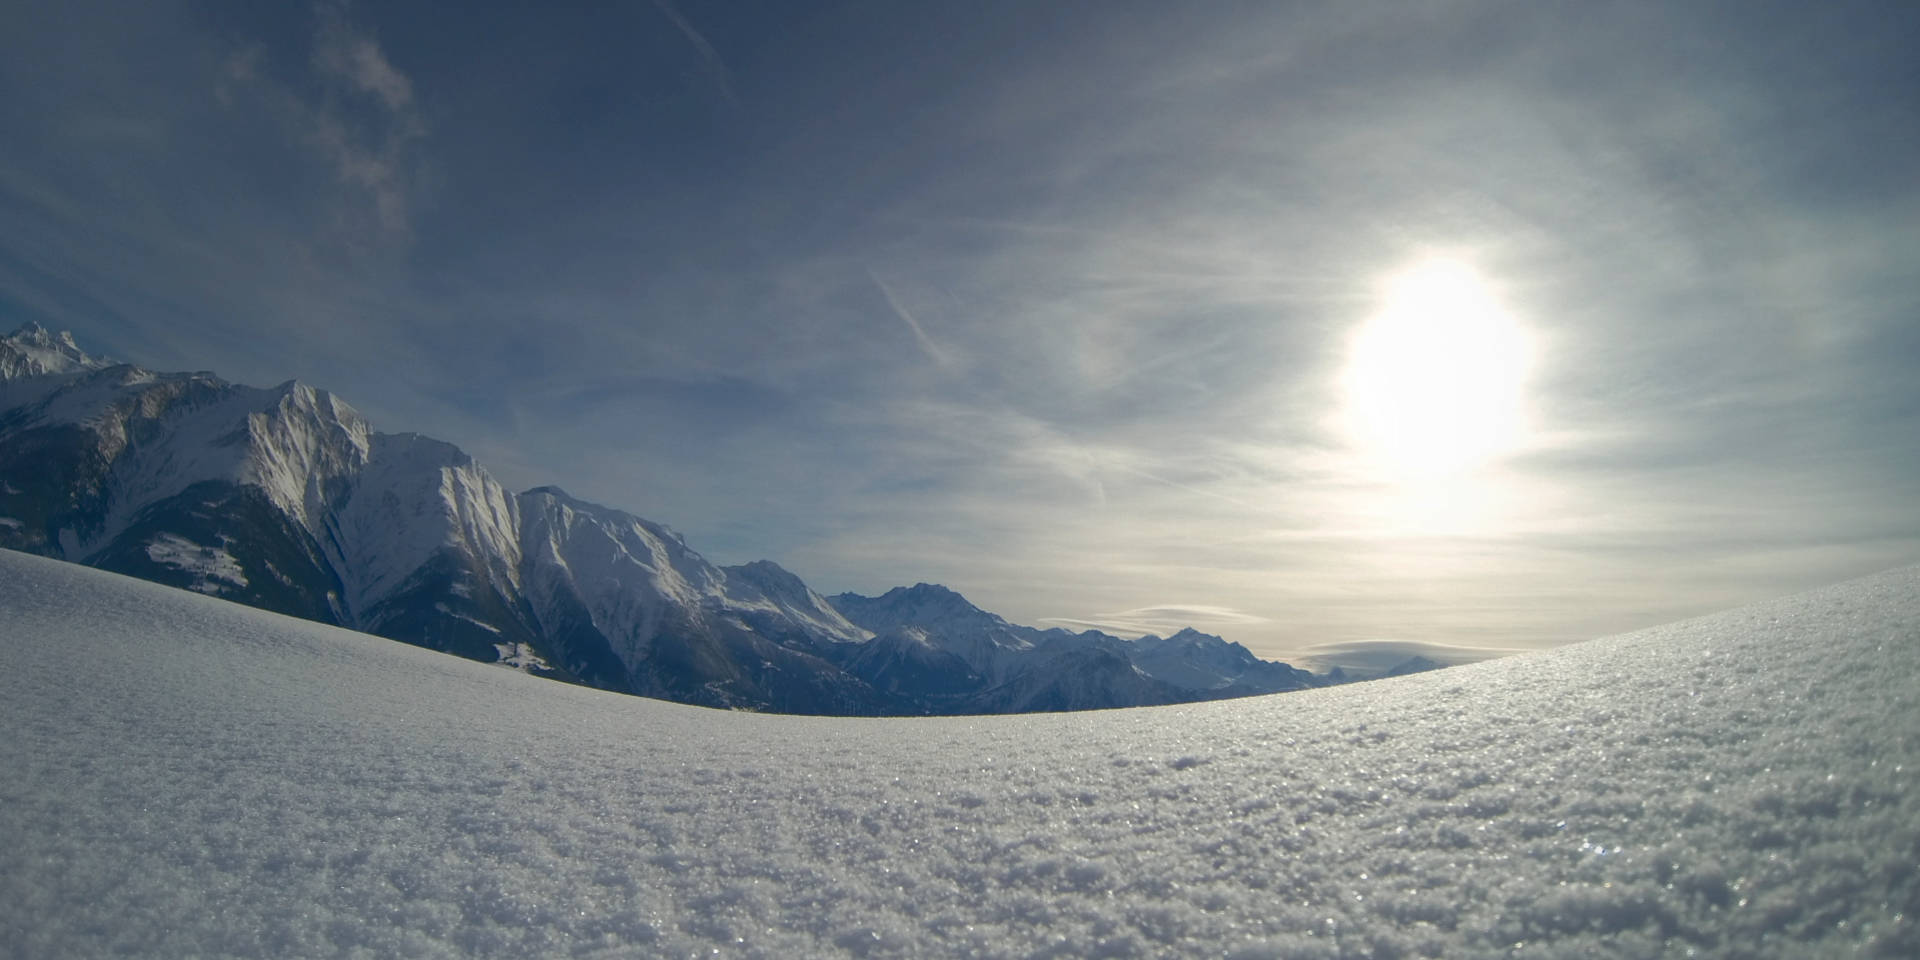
<point>1054,303</point>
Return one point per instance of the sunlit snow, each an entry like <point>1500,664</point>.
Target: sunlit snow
<point>187,777</point>
<point>520,657</point>
<point>211,567</point>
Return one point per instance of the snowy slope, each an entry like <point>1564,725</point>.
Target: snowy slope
<point>188,777</point>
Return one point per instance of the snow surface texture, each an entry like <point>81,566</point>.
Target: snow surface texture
<point>188,777</point>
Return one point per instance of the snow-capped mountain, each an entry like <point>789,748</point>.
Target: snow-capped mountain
<point>287,499</point>
<point>604,584</point>
<point>988,644</point>
<point>32,351</point>
<point>1018,668</point>
<point>1196,661</point>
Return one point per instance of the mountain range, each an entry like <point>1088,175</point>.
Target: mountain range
<point>286,499</point>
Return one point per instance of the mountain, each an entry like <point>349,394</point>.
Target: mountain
<point>600,583</point>
<point>288,500</point>
<point>1018,669</point>
<point>967,660</point>
<point>989,645</point>
<point>1198,661</point>
<point>33,351</point>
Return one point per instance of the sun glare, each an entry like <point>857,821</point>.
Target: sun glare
<point>1434,379</point>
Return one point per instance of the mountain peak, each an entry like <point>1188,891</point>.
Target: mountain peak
<point>937,609</point>
<point>1192,637</point>
<point>770,578</point>
<point>767,569</point>
<point>555,493</point>
<point>33,351</point>
<point>33,334</point>
<point>928,590</point>
<point>933,598</point>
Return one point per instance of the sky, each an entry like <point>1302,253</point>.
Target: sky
<point>1451,325</point>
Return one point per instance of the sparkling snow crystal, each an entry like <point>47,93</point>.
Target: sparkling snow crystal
<point>186,777</point>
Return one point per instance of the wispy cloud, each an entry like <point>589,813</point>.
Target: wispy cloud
<point>345,54</point>
<point>933,350</point>
<point>241,70</point>
<point>377,155</point>
<point>716,68</point>
<point>364,123</point>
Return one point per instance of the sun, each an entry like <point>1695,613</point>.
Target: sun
<point>1434,380</point>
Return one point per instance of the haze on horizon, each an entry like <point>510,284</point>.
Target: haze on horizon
<point>1475,324</point>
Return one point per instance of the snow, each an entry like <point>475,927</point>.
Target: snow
<point>303,444</point>
<point>765,588</point>
<point>413,497</point>
<point>33,351</point>
<point>520,657</point>
<point>990,645</point>
<point>213,568</point>
<point>187,777</point>
<point>381,506</point>
<point>490,628</point>
<point>300,444</point>
<point>632,576</point>
<point>10,523</point>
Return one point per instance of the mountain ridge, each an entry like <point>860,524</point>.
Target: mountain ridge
<point>286,498</point>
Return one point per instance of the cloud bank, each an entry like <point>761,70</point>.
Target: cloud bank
<point>1374,656</point>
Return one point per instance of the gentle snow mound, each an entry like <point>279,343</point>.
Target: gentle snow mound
<point>187,777</point>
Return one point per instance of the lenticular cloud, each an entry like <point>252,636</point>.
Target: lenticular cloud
<point>187,777</point>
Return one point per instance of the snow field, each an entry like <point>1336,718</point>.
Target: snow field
<point>187,777</point>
